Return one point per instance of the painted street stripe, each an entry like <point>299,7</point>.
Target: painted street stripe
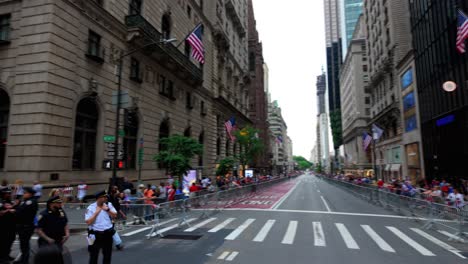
<point>424,251</point>
<point>319,236</point>
<point>452,236</point>
<point>325,202</point>
<point>290,233</point>
<point>221,226</point>
<point>264,231</point>
<point>232,256</point>
<point>348,239</point>
<point>438,242</point>
<point>377,239</point>
<point>146,228</point>
<point>224,255</point>
<point>278,203</point>
<point>171,227</point>
<point>195,227</point>
<point>234,234</point>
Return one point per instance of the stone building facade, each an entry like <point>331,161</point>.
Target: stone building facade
<point>58,85</point>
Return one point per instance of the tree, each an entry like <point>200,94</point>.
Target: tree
<point>318,167</point>
<point>250,145</point>
<point>225,166</point>
<point>302,162</point>
<point>176,154</point>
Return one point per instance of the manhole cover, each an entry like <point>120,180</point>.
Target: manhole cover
<point>182,236</point>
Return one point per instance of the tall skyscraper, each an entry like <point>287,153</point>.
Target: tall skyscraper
<point>322,149</point>
<point>350,10</point>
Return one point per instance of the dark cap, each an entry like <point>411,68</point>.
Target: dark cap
<point>101,194</point>
<point>29,190</point>
<point>54,199</point>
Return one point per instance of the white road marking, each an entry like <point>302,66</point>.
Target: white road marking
<point>234,234</point>
<point>319,236</point>
<point>195,227</point>
<point>264,231</point>
<point>146,228</point>
<point>170,227</point>
<point>232,256</point>
<point>325,202</point>
<point>424,251</point>
<point>224,255</point>
<point>278,203</point>
<point>318,190</point>
<point>377,239</point>
<point>438,242</point>
<point>290,233</point>
<point>452,236</point>
<point>221,226</point>
<point>348,239</point>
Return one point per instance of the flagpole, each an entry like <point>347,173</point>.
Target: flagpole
<point>374,163</point>
<point>186,37</point>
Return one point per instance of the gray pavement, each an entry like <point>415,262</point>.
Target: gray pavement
<point>316,223</point>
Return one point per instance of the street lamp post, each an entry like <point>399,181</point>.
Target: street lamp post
<point>119,101</point>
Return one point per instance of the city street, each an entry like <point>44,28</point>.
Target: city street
<point>316,222</point>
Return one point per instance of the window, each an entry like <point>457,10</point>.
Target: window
<point>367,100</point>
<point>135,7</point>
<point>166,87</point>
<point>5,28</point>
<point>189,100</point>
<point>364,68</point>
<point>202,108</point>
<point>201,139</point>
<point>188,49</point>
<point>218,146</point>
<point>188,132</point>
<point>252,61</point>
<point>227,148</point>
<point>200,3</point>
<point>84,145</point>
<point>367,111</point>
<point>189,11</point>
<point>135,74</point>
<point>163,133</point>
<point>94,47</point>
<point>130,138</point>
<point>166,26</point>
<point>4,114</point>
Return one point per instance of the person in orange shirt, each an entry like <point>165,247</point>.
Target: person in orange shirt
<point>148,194</point>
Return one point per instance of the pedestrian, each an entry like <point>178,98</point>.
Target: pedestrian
<point>38,189</point>
<point>162,192</point>
<point>68,193</point>
<point>52,226</point>
<point>25,216</point>
<point>82,189</point>
<point>114,199</point>
<point>18,189</point>
<point>100,228</point>
<point>54,192</point>
<point>7,225</point>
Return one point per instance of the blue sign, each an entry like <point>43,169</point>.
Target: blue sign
<point>410,123</point>
<point>407,79</point>
<point>445,120</point>
<point>408,102</point>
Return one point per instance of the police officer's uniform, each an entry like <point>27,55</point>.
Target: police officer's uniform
<point>25,214</point>
<point>101,231</point>
<point>53,223</point>
<point>7,225</point>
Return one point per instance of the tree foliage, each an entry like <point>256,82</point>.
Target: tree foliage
<point>318,167</point>
<point>302,163</point>
<point>336,128</point>
<point>250,144</point>
<point>177,153</point>
<point>225,166</point>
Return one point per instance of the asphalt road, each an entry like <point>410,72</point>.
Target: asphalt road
<point>315,223</point>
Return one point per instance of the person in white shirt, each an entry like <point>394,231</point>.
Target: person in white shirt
<point>82,189</point>
<point>100,228</point>
<point>38,188</point>
<point>456,199</point>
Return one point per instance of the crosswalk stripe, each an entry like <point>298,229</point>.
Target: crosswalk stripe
<point>146,228</point>
<point>264,231</point>
<point>221,226</point>
<point>170,227</point>
<point>377,239</point>
<point>234,234</point>
<point>232,256</point>
<point>195,227</point>
<point>452,236</point>
<point>290,233</point>
<point>319,237</point>
<point>410,242</point>
<point>438,242</point>
<point>348,239</point>
<point>224,255</point>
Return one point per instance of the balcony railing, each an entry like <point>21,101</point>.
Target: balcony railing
<point>165,51</point>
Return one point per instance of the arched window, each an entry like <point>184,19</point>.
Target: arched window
<point>227,148</point>
<point>84,145</point>
<point>201,140</point>
<point>163,133</point>
<point>135,7</point>
<point>4,113</point>
<point>131,138</point>
<point>218,146</point>
<point>166,26</point>
<point>234,149</point>
<point>188,132</point>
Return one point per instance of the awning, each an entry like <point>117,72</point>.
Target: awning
<point>395,167</point>
<point>387,167</point>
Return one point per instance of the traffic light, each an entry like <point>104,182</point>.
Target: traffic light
<point>107,164</point>
<point>120,164</point>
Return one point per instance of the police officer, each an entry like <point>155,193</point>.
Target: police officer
<point>100,228</point>
<point>52,226</point>
<point>7,224</point>
<point>25,215</point>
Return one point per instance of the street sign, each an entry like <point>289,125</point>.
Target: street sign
<point>108,138</point>
<point>125,100</point>
<point>140,156</point>
<point>121,132</point>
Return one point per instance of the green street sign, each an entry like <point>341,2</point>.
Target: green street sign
<point>108,138</point>
<point>140,156</point>
<point>121,132</point>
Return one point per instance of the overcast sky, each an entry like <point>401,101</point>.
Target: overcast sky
<point>293,37</point>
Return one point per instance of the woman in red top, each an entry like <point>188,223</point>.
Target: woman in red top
<point>171,193</point>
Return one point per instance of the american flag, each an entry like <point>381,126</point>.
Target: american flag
<point>366,140</point>
<point>195,40</point>
<point>230,124</point>
<point>462,33</point>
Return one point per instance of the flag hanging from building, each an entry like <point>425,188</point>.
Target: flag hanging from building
<point>376,132</point>
<point>195,41</point>
<point>366,140</point>
<point>230,125</point>
<point>279,139</point>
<point>462,31</point>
